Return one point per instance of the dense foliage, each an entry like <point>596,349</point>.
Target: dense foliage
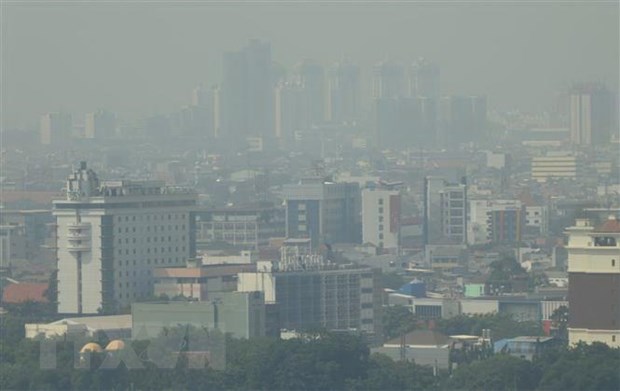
<point>319,361</point>
<point>501,326</point>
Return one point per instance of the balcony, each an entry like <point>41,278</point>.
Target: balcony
<point>75,246</point>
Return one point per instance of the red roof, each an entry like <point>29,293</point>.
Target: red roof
<point>611,225</point>
<point>25,291</point>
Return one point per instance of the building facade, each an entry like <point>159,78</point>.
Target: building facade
<point>445,211</point>
<point>323,211</point>
<point>593,114</point>
<point>545,168</point>
<point>594,282</point>
<point>312,294</point>
<point>111,235</point>
<point>381,218</point>
<point>244,227</point>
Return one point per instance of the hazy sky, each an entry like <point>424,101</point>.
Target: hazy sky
<point>140,59</point>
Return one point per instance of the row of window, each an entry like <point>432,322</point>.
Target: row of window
<point>148,261</point>
<point>148,239</point>
<point>148,217</point>
<point>162,228</point>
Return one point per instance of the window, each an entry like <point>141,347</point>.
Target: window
<point>380,210</point>
<point>380,227</point>
<point>613,338</point>
<point>381,236</point>
<point>380,201</point>
<point>613,262</point>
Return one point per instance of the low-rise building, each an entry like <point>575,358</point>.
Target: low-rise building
<point>312,293</point>
<point>242,314</point>
<point>197,282</point>
<point>113,326</point>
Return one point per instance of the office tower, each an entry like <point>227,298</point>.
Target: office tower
<point>381,218</point>
<point>311,78</point>
<point>323,211</point>
<point>405,122</point>
<point>343,96</point>
<point>100,125</point>
<point>593,114</point>
<point>313,294</point>
<point>463,119</point>
<point>291,112</point>
<point>201,97</point>
<point>247,93</point>
<point>112,234</point>
<point>445,211</point>
<point>388,80</point>
<point>424,79</point>
<point>594,282</point>
<point>55,128</point>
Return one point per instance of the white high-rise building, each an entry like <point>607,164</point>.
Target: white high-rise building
<point>112,234</point>
<point>55,128</point>
<point>381,218</point>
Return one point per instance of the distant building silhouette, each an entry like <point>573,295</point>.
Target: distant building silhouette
<point>592,114</point>
<point>56,128</point>
<point>344,86</point>
<point>247,93</point>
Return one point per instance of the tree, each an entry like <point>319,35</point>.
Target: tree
<point>397,320</point>
<point>559,320</point>
<point>500,372</point>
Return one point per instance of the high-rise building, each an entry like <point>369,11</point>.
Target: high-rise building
<point>388,80</point>
<point>463,119</point>
<point>291,112</point>
<point>381,218</point>
<point>312,294</point>
<point>55,128</point>
<point>344,86</point>
<point>405,122</point>
<point>593,114</point>
<point>424,79</point>
<point>594,282</point>
<point>445,211</point>
<point>100,125</point>
<point>311,78</point>
<point>323,211</point>
<point>247,93</point>
<point>112,234</point>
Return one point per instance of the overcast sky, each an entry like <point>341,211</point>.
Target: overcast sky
<point>140,59</point>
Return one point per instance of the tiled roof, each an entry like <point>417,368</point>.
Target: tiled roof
<point>611,225</point>
<point>25,291</point>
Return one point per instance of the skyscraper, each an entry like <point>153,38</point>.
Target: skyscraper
<point>593,116</point>
<point>247,93</point>
<point>291,112</point>
<point>388,80</point>
<point>344,88</point>
<point>55,128</point>
<point>311,78</point>
<point>405,122</point>
<point>463,119</point>
<point>112,234</point>
<point>100,125</point>
<point>424,79</point>
<point>594,282</point>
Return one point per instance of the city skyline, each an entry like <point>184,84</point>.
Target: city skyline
<point>79,64</point>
